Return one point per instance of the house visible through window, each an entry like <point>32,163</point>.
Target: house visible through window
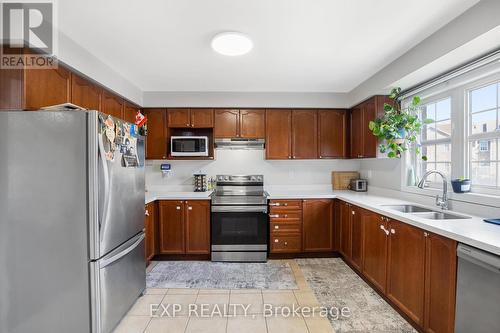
<point>483,135</point>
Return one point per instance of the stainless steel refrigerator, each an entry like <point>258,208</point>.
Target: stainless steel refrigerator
<point>71,221</point>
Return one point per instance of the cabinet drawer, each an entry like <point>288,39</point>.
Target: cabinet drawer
<point>285,204</point>
<point>285,216</point>
<point>277,228</point>
<point>286,243</point>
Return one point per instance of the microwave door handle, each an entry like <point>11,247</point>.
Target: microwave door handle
<point>106,185</point>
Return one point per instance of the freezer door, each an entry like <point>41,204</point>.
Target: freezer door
<point>119,278</point>
<point>117,182</point>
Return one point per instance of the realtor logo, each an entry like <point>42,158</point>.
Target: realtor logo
<point>28,32</point>
<point>28,25</point>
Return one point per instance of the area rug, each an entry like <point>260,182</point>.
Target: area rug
<point>336,285</point>
<point>218,275</point>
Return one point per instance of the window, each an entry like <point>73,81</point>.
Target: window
<point>464,137</point>
<point>484,135</point>
<point>436,138</point>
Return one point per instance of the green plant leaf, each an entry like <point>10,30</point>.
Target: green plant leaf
<point>415,101</point>
<point>371,125</point>
<point>391,154</point>
<point>428,121</point>
<point>388,107</point>
<point>424,158</point>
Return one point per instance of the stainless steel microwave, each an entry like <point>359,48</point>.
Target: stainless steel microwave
<point>189,146</point>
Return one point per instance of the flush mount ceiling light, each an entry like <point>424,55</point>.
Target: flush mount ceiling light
<point>232,43</point>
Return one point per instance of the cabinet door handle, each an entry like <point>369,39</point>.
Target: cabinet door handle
<point>426,234</point>
<point>276,227</point>
<point>146,212</point>
<point>393,231</point>
<point>286,243</point>
<point>188,125</point>
<point>285,204</point>
<point>190,208</point>
<point>178,207</point>
<point>276,240</point>
<point>353,212</point>
<point>384,229</point>
<point>274,204</point>
<point>289,156</point>
<point>285,216</point>
<point>274,215</point>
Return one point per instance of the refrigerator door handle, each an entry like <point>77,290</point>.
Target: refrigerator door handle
<point>105,170</point>
<point>106,261</point>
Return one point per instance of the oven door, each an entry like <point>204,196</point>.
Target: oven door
<point>239,228</point>
<point>189,146</point>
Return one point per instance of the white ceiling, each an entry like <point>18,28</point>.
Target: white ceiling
<point>299,45</point>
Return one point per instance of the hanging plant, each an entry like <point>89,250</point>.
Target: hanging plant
<point>398,129</point>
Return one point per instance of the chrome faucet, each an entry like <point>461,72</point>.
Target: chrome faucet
<point>440,201</point>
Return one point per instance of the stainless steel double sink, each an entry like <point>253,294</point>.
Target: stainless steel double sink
<point>426,213</point>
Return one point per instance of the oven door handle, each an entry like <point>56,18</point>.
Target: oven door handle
<point>239,209</point>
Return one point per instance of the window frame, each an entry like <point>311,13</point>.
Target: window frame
<point>458,90</point>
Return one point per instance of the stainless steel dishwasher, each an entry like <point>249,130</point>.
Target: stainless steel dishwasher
<point>478,291</point>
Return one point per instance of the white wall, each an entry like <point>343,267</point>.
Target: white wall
<point>246,99</point>
<point>297,172</point>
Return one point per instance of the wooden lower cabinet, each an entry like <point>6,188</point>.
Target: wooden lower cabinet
<point>150,231</point>
<point>286,243</point>
<point>357,237</point>
<point>375,243</point>
<point>285,217</point>
<point>172,227</point>
<point>184,227</point>
<point>197,227</point>
<point>406,269</point>
<point>345,230</point>
<point>317,221</point>
<point>440,284</point>
<point>415,269</point>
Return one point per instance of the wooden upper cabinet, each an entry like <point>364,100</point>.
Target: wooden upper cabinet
<point>197,227</point>
<point>278,134</point>
<point>317,235</point>
<point>227,123</point>
<point>178,118</point>
<point>202,118</point>
<point>156,140</point>
<point>356,133</point>
<point>357,237</point>
<point>363,143</point>
<point>129,112</point>
<point>46,87</point>
<point>304,134</point>
<point>171,223</point>
<point>332,138</point>
<point>405,280</point>
<point>440,284</point>
<point>375,246</point>
<point>112,105</point>
<point>252,124</point>
<point>85,93</point>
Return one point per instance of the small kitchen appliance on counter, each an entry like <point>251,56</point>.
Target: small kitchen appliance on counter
<point>358,185</point>
<point>200,182</point>
<point>239,219</point>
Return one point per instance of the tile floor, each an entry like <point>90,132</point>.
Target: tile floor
<point>138,320</point>
<point>325,276</point>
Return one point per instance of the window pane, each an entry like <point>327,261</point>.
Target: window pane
<point>444,168</point>
<point>483,150</point>
<point>443,152</point>
<point>484,122</point>
<point>430,152</point>
<point>484,98</point>
<point>429,111</point>
<point>484,173</point>
<point>443,110</point>
<point>428,132</point>
<point>443,129</point>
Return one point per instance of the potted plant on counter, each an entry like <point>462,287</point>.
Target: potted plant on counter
<point>398,128</point>
<point>461,185</point>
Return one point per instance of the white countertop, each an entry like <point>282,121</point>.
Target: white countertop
<point>473,231</point>
<point>176,195</point>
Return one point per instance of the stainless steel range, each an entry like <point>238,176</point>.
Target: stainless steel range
<point>239,219</point>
